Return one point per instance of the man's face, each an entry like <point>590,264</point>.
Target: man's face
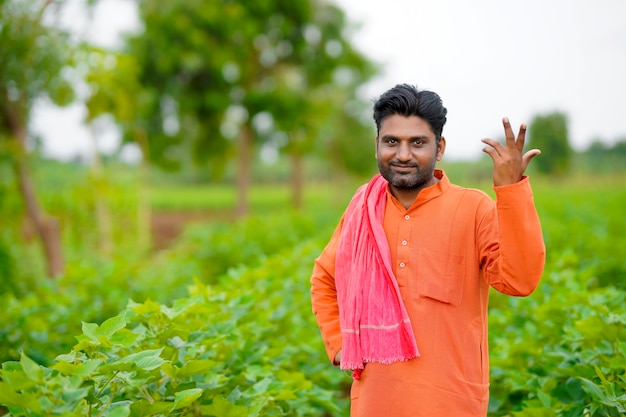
<point>406,152</point>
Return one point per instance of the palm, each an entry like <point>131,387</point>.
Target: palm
<point>509,160</point>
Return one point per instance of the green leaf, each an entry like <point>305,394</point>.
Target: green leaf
<point>535,412</point>
<point>91,331</point>
<point>146,360</point>
<point>7,394</point>
<point>195,367</point>
<point>119,411</point>
<point>74,396</point>
<point>18,380</point>
<point>149,363</point>
<point>262,386</point>
<point>255,373</point>
<point>544,398</point>
<point>148,307</point>
<point>112,325</point>
<point>143,408</point>
<point>32,369</point>
<point>169,370</point>
<point>594,390</point>
<point>186,397</point>
<point>81,369</point>
<point>140,381</point>
<point>11,398</point>
<point>124,337</point>
<point>222,407</point>
<point>569,392</point>
<point>119,366</point>
<point>258,406</point>
<point>11,366</point>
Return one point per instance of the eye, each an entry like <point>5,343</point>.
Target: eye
<point>418,142</point>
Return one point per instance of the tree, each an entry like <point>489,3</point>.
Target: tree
<point>32,58</point>
<point>113,81</point>
<point>549,133</point>
<point>231,75</point>
<point>601,157</point>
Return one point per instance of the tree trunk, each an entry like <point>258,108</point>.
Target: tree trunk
<point>243,171</point>
<point>103,215</point>
<point>297,180</point>
<point>47,228</point>
<point>144,205</point>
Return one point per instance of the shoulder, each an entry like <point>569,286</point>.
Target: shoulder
<point>470,194</point>
<point>358,195</point>
<point>377,182</point>
<point>467,194</point>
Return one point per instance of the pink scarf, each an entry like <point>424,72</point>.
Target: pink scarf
<point>375,326</point>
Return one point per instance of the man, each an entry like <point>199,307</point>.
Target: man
<point>400,292</point>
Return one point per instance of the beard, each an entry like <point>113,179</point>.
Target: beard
<point>418,178</point>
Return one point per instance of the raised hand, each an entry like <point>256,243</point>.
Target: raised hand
<point>509,162</point>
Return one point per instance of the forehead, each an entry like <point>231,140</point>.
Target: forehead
<point>409,126</point>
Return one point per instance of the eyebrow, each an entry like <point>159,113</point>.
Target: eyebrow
<point>389,136</point>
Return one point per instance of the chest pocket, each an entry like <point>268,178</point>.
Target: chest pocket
<point>440,276</point>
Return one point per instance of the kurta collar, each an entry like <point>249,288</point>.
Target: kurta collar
<point>424,195</point>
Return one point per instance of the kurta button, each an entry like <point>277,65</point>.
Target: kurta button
<point>404,243</point>
<point>402,264</point>
<point>407,217</point>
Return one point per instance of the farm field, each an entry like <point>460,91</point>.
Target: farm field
<point>217,320</point>
<point>170,170</point>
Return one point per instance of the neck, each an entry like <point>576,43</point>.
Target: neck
<point>406,196</point>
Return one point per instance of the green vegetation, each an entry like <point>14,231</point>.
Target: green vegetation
<point>242,347</point>
<point>220,322</point>
<point>562,351</point>
<point>198,87</point>
<point>549,132</point>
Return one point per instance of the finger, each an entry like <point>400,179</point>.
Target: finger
<point>508,132</point>
<point>521,137</point>
<point>494,144</point>
<point>528,156</point>
<point>491,151</point>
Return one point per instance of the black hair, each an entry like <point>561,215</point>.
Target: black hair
<point>407,100</point>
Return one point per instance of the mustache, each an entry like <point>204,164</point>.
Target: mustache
<point>403,164</point>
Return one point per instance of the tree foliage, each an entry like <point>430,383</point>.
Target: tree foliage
<point>602,157</point>
<point>216,65</point>
<point>549,133</point>
<point>226,77</point>
<point>33,59</point>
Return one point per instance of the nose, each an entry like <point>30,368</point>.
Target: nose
<point>404,152</point>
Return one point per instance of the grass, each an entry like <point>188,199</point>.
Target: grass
<point>262,197</point>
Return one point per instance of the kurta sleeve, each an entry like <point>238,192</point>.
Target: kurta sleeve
<point>324,296</point>
<point>511,241</point>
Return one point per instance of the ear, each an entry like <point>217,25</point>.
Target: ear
<point>441,148</point>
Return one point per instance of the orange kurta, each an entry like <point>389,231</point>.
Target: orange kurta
<point>447,249</point>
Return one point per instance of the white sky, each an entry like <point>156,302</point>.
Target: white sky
<point>486,58</point>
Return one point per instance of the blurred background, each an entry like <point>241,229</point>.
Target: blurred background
<point>515,59</point>
<point>225,92</point>
<point>147,142</point>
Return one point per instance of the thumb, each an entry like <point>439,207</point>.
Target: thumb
<point>528,156</point>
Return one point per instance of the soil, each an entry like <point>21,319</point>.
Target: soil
<point>168,225</point>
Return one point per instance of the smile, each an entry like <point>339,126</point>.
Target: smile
<point>404,167</point>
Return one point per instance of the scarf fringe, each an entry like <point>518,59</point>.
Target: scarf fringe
<point>372,345</point>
